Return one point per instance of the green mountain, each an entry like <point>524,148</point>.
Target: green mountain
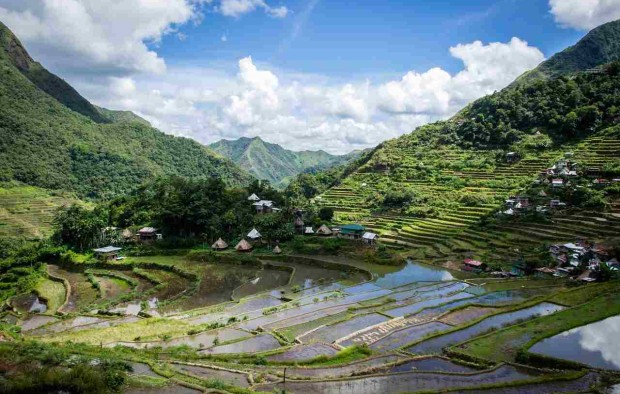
<point>599,46</point>
<point>274,163</point>
<point>52,137</point>
<point>437,191</point>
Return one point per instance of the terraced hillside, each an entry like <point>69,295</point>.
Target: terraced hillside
<point>463,190</point>
<point>28,211</point>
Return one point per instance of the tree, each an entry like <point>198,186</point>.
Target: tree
<point>326,214</point>
<point>79,227</point>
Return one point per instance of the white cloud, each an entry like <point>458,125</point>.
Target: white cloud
<point>312,112</point>
<point>584,14</point>
<point>236,8</point>
<point>96,33</point>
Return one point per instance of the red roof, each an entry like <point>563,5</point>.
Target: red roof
<point>473,263</point>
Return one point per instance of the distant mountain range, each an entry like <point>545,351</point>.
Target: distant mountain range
<point>272,162</point>
<point>52,137</point>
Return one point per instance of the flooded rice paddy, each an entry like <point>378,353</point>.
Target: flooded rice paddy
<point>595,344</point>
<point>304,352</point>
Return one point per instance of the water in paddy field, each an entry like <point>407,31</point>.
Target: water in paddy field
<point>595,344</point>
<point>413,272</point>
<point>29,303</point>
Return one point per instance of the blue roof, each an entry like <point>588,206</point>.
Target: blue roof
<point>358,227</point>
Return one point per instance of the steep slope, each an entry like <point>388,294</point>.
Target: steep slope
<point>436,191</point>
<point>599,46</point>
<point>274,163</point>
<point>53,138</point>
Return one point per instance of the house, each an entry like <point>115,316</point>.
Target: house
<point>509,211</point>
<point>370,238</point>
<point>352,231</point>
<point>511,157</point>
<point>243,246</point>
<point>586,276</point>
<point>148,234</point>
<point>557,182</point>
<point>571,247</point>
<point>277,250</point>
<point>324,230</point>
<point>473,265</point>
<point>219,245</point>
<point>335,230</point>
<point>309,231</point>
<point>545,271</point>
<point>253,197</point>
<point>264,206</point>
<point>542,193</point>
<point>254,235</point>
<point>107,253</point>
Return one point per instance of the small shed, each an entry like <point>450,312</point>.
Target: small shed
<point>370,238</point>
<point>147,234</point>
<point>107,253</point>
<point>277,250</point>
<point>309,231</point>
<point>127,234</point>
<point>557,182</point>
<point>253,197</point>
<point>254,235</point>
<point>243,246</point>
<point>219,245</point>
<point>324,230</point>
<point>264,206</point>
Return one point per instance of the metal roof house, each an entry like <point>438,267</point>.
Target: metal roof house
<point>253,197</point>
<point>254,234</point>
<point>370,238</point>
<point>107,253</point>
<point>352,231</point>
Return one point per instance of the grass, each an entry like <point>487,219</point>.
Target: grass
<point>53,292</point>
<point>523,336</point>
<point>583,294</point>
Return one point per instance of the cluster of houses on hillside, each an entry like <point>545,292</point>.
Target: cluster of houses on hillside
<point>580,257</point>
<point>563,174</point>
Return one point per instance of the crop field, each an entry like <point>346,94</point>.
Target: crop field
<point>186,328</point>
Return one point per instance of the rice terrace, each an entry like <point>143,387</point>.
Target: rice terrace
<point>443,231</point>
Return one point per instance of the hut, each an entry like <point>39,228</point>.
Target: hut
<point>107,253</point>
<point>243,246</point>
<point>127,234</point>
<point>309,231</point>
<point>299,224</point>
<point>219,245</point>
<point>253,197</point>
<point>147,234</point>
<point>277,250</point>
<point>264,206</point>
<point>254,235</point>
<point>473,265</point>
<point>324,230</point>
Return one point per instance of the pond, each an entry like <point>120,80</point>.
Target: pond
<point>595,344</point>
<point>436,344</point>
<point>413,272</point>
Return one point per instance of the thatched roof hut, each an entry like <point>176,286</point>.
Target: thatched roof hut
<point>219,244</point>
<point>243,246</point>
<point>277,250</point>
<point>299,222</point>
<point>324,230</point>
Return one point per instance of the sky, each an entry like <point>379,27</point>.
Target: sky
<point>335,75</point>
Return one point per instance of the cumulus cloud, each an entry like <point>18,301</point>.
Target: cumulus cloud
<point>94,33</point>
<point>313,112</point>
<point>236,8</point>
<point>584,14</point>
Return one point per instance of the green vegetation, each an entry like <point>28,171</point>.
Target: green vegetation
<point>51,137</point>
<point>273,163</point>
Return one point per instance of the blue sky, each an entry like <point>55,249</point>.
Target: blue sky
<point>366,37</point>
<point>336,75</point>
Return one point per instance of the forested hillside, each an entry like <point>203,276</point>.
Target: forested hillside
<point>274,163</point>
<point>53,138</point>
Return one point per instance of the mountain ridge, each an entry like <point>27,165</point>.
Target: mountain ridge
<point>274,163</point>
<point>52,137</point>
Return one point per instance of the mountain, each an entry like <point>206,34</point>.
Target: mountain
<point>601,45</point>
<point>52,137</point>
<point>274,163</point>
<point>439,192</point>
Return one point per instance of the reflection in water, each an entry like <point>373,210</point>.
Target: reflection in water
<point>413,272</point>
<point>595,344</point>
